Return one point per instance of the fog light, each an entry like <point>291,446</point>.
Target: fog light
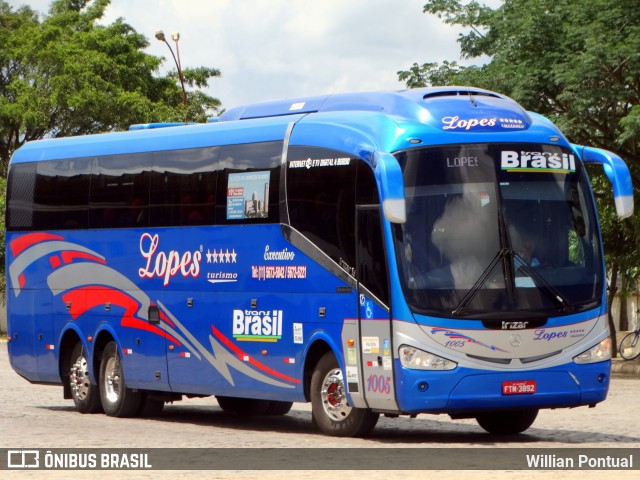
<point>423,386</point>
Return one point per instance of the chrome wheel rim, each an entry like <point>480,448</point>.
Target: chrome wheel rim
<point>112,380</point>
<point>332,394</point>
<point>79,378</point>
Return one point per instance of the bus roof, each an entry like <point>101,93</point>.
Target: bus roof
<point>407,104</point>
<point>434,115</point>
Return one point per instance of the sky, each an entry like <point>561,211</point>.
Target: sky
<point>275,49</point>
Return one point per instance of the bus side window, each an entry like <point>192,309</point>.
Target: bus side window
<point>119,196</point>
<point>321,200</point>
<point>372,263</point>
<point>20,196</point>
<point>183,187</point>
<point>49,195</point>
<point>249,183</point>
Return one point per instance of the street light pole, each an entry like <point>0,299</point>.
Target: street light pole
<point>175,36</point>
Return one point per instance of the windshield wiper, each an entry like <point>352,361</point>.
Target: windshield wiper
<point>551,292</point>
<point>481,281</point>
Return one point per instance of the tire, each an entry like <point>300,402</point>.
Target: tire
<point>507,423</point>
<point>279,408</point>
<point>86,395</point>
<point>117,400</point>
<point>244,406</point>
<point>630,346</point>
<point>329,407</point>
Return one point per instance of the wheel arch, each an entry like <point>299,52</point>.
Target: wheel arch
<point>67,342</point>
<point>101,340</point>
<point>316,351</point>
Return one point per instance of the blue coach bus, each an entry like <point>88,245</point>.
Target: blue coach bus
<point>427,251</point>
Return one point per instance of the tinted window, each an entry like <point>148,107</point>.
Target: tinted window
<point>20,192</point>
<point>372,267</point>
<point>183,187</point>
<point>62,193</point>
<point>173,188</point>
<point>120,191</point>
<point>249,183</point>
<point>321,200</point>
<point>366,188</point>
<point>372,264</point>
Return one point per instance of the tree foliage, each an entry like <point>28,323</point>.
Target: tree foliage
<point>575,61</point>
<point>65,74</point>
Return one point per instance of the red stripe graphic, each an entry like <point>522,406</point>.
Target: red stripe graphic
<point>20,244</point>
<point>70,256</point>
<point>55,262</point>
<point>138,324</point>
<point>91,297</point>
<point>252,361</point>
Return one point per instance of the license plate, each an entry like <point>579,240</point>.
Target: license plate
<point>520,387</point>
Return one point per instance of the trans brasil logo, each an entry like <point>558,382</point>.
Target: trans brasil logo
<point>537,162</point>
<point>257,325</point>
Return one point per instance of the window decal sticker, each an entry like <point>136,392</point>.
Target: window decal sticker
<point>248,195</point>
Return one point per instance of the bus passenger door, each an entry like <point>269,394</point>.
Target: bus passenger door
<point>375,339</point>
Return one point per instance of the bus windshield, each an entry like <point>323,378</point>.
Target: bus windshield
<point>497,230</point>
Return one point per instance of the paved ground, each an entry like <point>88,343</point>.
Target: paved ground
<point>34,416</point>
<point>624,367</point>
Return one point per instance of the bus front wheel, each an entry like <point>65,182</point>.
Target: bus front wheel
<point>117,399</point>
<point>85,395</point>
<point>329,407</point>
<point>509,422</point>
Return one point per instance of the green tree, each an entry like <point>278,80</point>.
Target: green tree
<point>575,61</point>
<point>67,75</point>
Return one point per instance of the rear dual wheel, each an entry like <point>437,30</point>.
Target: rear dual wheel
<point>117,399</point>
<point>85,395</point>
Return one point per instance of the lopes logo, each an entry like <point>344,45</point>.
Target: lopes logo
<point>456,123</point>
<point>257,326</point>
<point>167,265</point>
<point>538,162</point>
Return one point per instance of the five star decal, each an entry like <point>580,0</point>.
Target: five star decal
<point>222,256</point>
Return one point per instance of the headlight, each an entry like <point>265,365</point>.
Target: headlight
<point>597,353</point>
<point>411,357</point>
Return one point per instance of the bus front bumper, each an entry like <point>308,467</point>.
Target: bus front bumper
<point>469,390</point>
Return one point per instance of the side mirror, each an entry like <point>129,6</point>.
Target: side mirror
<point>618,174</point>
<point>389,175</point>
